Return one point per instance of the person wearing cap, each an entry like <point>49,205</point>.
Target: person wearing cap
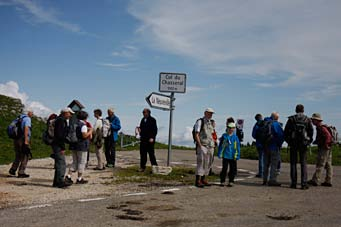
<point>203,129</point>
<point>22,146</point>
<point>272,151</point>
<point>298,133</point>
<point>110,141</point>
<point>259,145</point>
<point>324,154</point>
<point>148,131</point>
<point>58,147</point>
<point>229,151</point>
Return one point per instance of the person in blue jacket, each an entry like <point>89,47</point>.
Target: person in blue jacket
<point>110,141</point>
<point>259,146</point>
<point>229,150</point>
<point>272,151</point>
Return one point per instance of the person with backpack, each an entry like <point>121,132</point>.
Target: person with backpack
<point>203,130</point>
<point>229,151</point>
<point>22,144</point>
<point>259,145</point>
<point>79,155</point>
<point>272,144</point>
<point>97,139</point>
<point>112,137</point>
<point>147,131</point>
<point>58,147</point>
<point>298,133</point>
<point>324,154</point>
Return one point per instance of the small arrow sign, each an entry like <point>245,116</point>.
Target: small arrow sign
<point>159,101</point>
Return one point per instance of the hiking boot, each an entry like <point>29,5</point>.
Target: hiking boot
<point>222,184</point>
<point>259,176</point>
<point>68,180</point>
<point>81,181</point>
<point>313,183</point>
<point>141,170</point>
<point>198,184</point>
<point>326,184</point>
<point>293,186</point>
<point>304,187</point>
<point>109,165</point>
<point>230,184</point>
<point>23,175</point>
<point>274,184</point>
<point>62,186</point>
<point>97,168</point>
<point>12,172</point>
<point>205,183</point>
<point>265,182</point>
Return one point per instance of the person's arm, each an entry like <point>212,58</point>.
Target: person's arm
<point>116,124</point>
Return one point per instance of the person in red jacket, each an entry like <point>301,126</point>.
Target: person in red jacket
<point>324,156</point>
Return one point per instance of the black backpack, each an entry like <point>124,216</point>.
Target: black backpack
<point>193,130</point>
<point>264,132</point>
<point>14,130</point>
<point>299,134</point>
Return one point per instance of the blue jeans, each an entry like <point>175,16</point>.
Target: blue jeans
<point>260,161</point>
<point>271,159</point>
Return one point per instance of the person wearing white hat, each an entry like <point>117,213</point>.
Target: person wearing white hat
<point>229,151</point>
<point>324,153</point>
<point>203,130</point>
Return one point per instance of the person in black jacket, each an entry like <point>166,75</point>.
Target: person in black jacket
<point>148,131</point>
<point>58,147</point>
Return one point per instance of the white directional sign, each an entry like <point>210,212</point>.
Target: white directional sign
<point>159,101</point>
<point>172,82</point>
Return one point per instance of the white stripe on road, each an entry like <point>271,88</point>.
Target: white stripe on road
<point>171,190</point>
<point>177,163</point>
<point>35,206</point>
<point>93,199</point>
<point>135,194</point>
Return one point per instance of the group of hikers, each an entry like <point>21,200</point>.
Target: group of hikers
<point>74,129</point>
<point>270,136</point>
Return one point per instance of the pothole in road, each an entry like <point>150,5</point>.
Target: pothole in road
<point>283,217</point>
<point>129,217</point>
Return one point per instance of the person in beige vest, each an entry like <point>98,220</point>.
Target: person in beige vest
<point>204,128</point>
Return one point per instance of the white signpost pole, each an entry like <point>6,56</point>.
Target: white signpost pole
<point>170,129</point>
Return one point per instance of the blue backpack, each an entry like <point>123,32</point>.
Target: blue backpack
<point>14,130</point>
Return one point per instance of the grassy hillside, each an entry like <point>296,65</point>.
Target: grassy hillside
<point>10,108</point>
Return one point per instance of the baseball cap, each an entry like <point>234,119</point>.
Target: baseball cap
<point>67,109</point>
<point>231,125</point>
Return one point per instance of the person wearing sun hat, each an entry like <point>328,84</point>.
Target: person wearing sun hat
<point>229,151</point>
<point>203,130</point>
<point>324,153</point>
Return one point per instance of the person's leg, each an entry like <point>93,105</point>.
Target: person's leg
<point>304,170</point>
<point>274,164</point>
<point>260,162</point>
<point>233,170</point>
<point>113,153</point>
<point>60,168</point>
<point>81,158</point>
<point>329,168</point>
<point>293,167</point>
<point>151,153</point>
<point>74,165</point>
<point>143,155</point>
<point>200,171</point>
<point>320,163</point>
<point>266,159</point>
<point>98,156</point>
<point>17,149</point>
<point>23,163</point>
<point>223,170</point>
<point>107,149</point>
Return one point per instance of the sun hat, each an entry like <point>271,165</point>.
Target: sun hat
<point>316,116</point>
<point>209,110</point>
<point>67,109</point>
<point>231,125</point>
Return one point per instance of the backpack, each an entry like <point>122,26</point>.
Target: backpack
<point>334,134</point>
<point>201,127</point>
<point>264,132</point>
<point>300,135</point>
<point>48,134</point>
<point>106,128</point>
<point>14,130</point>
<point>74,132</point>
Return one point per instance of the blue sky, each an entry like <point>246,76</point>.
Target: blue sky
<point>240,57</point>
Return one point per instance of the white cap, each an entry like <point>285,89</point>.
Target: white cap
<point>231,125</point>
<point>67,109</point>
<point>210,110</point>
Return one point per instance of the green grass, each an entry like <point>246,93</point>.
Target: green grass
<point>178,176</point>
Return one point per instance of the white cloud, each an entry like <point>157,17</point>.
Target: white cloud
<point>11,89</point>
<point>122,65</point>
<point>35,13</point>
<point>262,39</point>
<point>126,52</point>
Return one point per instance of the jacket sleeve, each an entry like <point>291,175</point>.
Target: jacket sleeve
<point>220,147</point>
<point>254,130</point>
<point>288,130</point>
<point>310,131</point>
<point>116,124</point>
<point>59,133</point>
<point>279,134</point>
<point>154,128</point>
<point>327,137</point>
